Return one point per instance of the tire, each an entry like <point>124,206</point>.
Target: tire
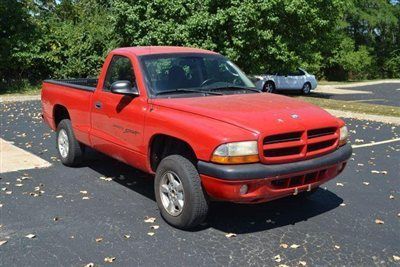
<point>306,89</point>
<point>194,208</point>
<point>69,149</point>
<point>269,87</point>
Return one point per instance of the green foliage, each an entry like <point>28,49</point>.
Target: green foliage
<point>355,39</point>
<point>15,32</point>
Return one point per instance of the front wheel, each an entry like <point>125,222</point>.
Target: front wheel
<point>179,194</point>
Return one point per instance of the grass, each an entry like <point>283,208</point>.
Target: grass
<point>365,108</point>
<point>20,88</point>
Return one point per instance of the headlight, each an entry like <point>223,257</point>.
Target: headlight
<point>236,153</point>
<point>343,136</point>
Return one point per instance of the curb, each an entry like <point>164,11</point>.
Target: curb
<point>362,116</point>
<point>19,98</point>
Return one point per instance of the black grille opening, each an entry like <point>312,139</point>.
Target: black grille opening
<point>281,183</point>
<point>320,145</point>
<point>311,177</point>
<point>279,138</point>
<point>295,181</point>
<point>320,132</point>
<point>281,152</point>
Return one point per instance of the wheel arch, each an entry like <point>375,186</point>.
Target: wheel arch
<point>60,113</point>
<point>162,145</point>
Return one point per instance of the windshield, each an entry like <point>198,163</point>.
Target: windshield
<point>192,73</point>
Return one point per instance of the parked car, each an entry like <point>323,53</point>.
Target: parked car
<point>294,80</point>
<point>191,118</point>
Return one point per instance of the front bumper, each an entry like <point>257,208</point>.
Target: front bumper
<point>268,182</point>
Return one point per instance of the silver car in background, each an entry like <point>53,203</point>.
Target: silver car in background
<point>296,80</point>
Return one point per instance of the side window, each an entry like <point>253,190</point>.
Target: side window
<point>120,68</point>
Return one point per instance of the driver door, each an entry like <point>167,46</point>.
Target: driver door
<point>117,120</point>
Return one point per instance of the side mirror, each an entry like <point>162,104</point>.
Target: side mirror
<point>124,88</point>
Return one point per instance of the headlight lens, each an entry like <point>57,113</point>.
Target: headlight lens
<point>343,136</point>
<point>236,153</point>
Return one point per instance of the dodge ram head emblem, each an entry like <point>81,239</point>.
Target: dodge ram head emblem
<point>294,116</point>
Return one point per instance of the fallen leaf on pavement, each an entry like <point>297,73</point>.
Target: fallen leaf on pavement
<point>30,236</point>
<point>105,178</point>
<point>99,239</point>
<point>277,258</point>
<point>229,235</point>
<point>284,245</point>
<point>294,246</point>
<point>378,221</point>
<point>302,263</point>
<point>109,259</point>
<point>396,258</point>
<point>2,242</point>
<point>149,219</point>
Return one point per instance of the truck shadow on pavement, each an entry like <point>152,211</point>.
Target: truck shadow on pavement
<point>226,217</point>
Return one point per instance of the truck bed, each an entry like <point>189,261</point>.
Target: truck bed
<point>87,84</point>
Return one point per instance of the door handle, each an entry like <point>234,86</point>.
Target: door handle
<point>98,105</point>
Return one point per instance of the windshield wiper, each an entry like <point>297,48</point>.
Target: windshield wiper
<point>235,88</point>
<point>184,90</point>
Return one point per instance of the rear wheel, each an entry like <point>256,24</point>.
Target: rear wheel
<point>269,87</point>
<point>179,194</point>
<point>69,149</point>
<point>306,88</point>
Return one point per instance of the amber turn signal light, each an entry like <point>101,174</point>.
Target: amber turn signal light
<point>235,159</point>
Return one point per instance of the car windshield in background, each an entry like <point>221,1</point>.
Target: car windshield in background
<point>193,74</point>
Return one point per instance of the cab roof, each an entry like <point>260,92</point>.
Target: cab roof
<point>149,50</point>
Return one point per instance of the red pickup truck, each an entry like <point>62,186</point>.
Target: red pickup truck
<point>194,120</point>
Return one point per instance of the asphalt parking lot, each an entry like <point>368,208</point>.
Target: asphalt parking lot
<point>381,94</point>
<point>353,220</point>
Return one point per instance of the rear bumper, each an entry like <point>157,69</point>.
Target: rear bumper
<point>268,182</point>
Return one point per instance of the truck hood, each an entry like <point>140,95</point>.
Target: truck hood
<point>259,113</point>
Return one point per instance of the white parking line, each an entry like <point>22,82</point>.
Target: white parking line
<point>376,143</point>
<point>13,158</point>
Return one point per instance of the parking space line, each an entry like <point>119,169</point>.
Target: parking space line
<point>376,143</point>
<point>13,158</point>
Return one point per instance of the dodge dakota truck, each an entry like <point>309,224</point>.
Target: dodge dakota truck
<point>194,121</point>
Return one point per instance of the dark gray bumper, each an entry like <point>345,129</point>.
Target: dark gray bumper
<point>258,170</point>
